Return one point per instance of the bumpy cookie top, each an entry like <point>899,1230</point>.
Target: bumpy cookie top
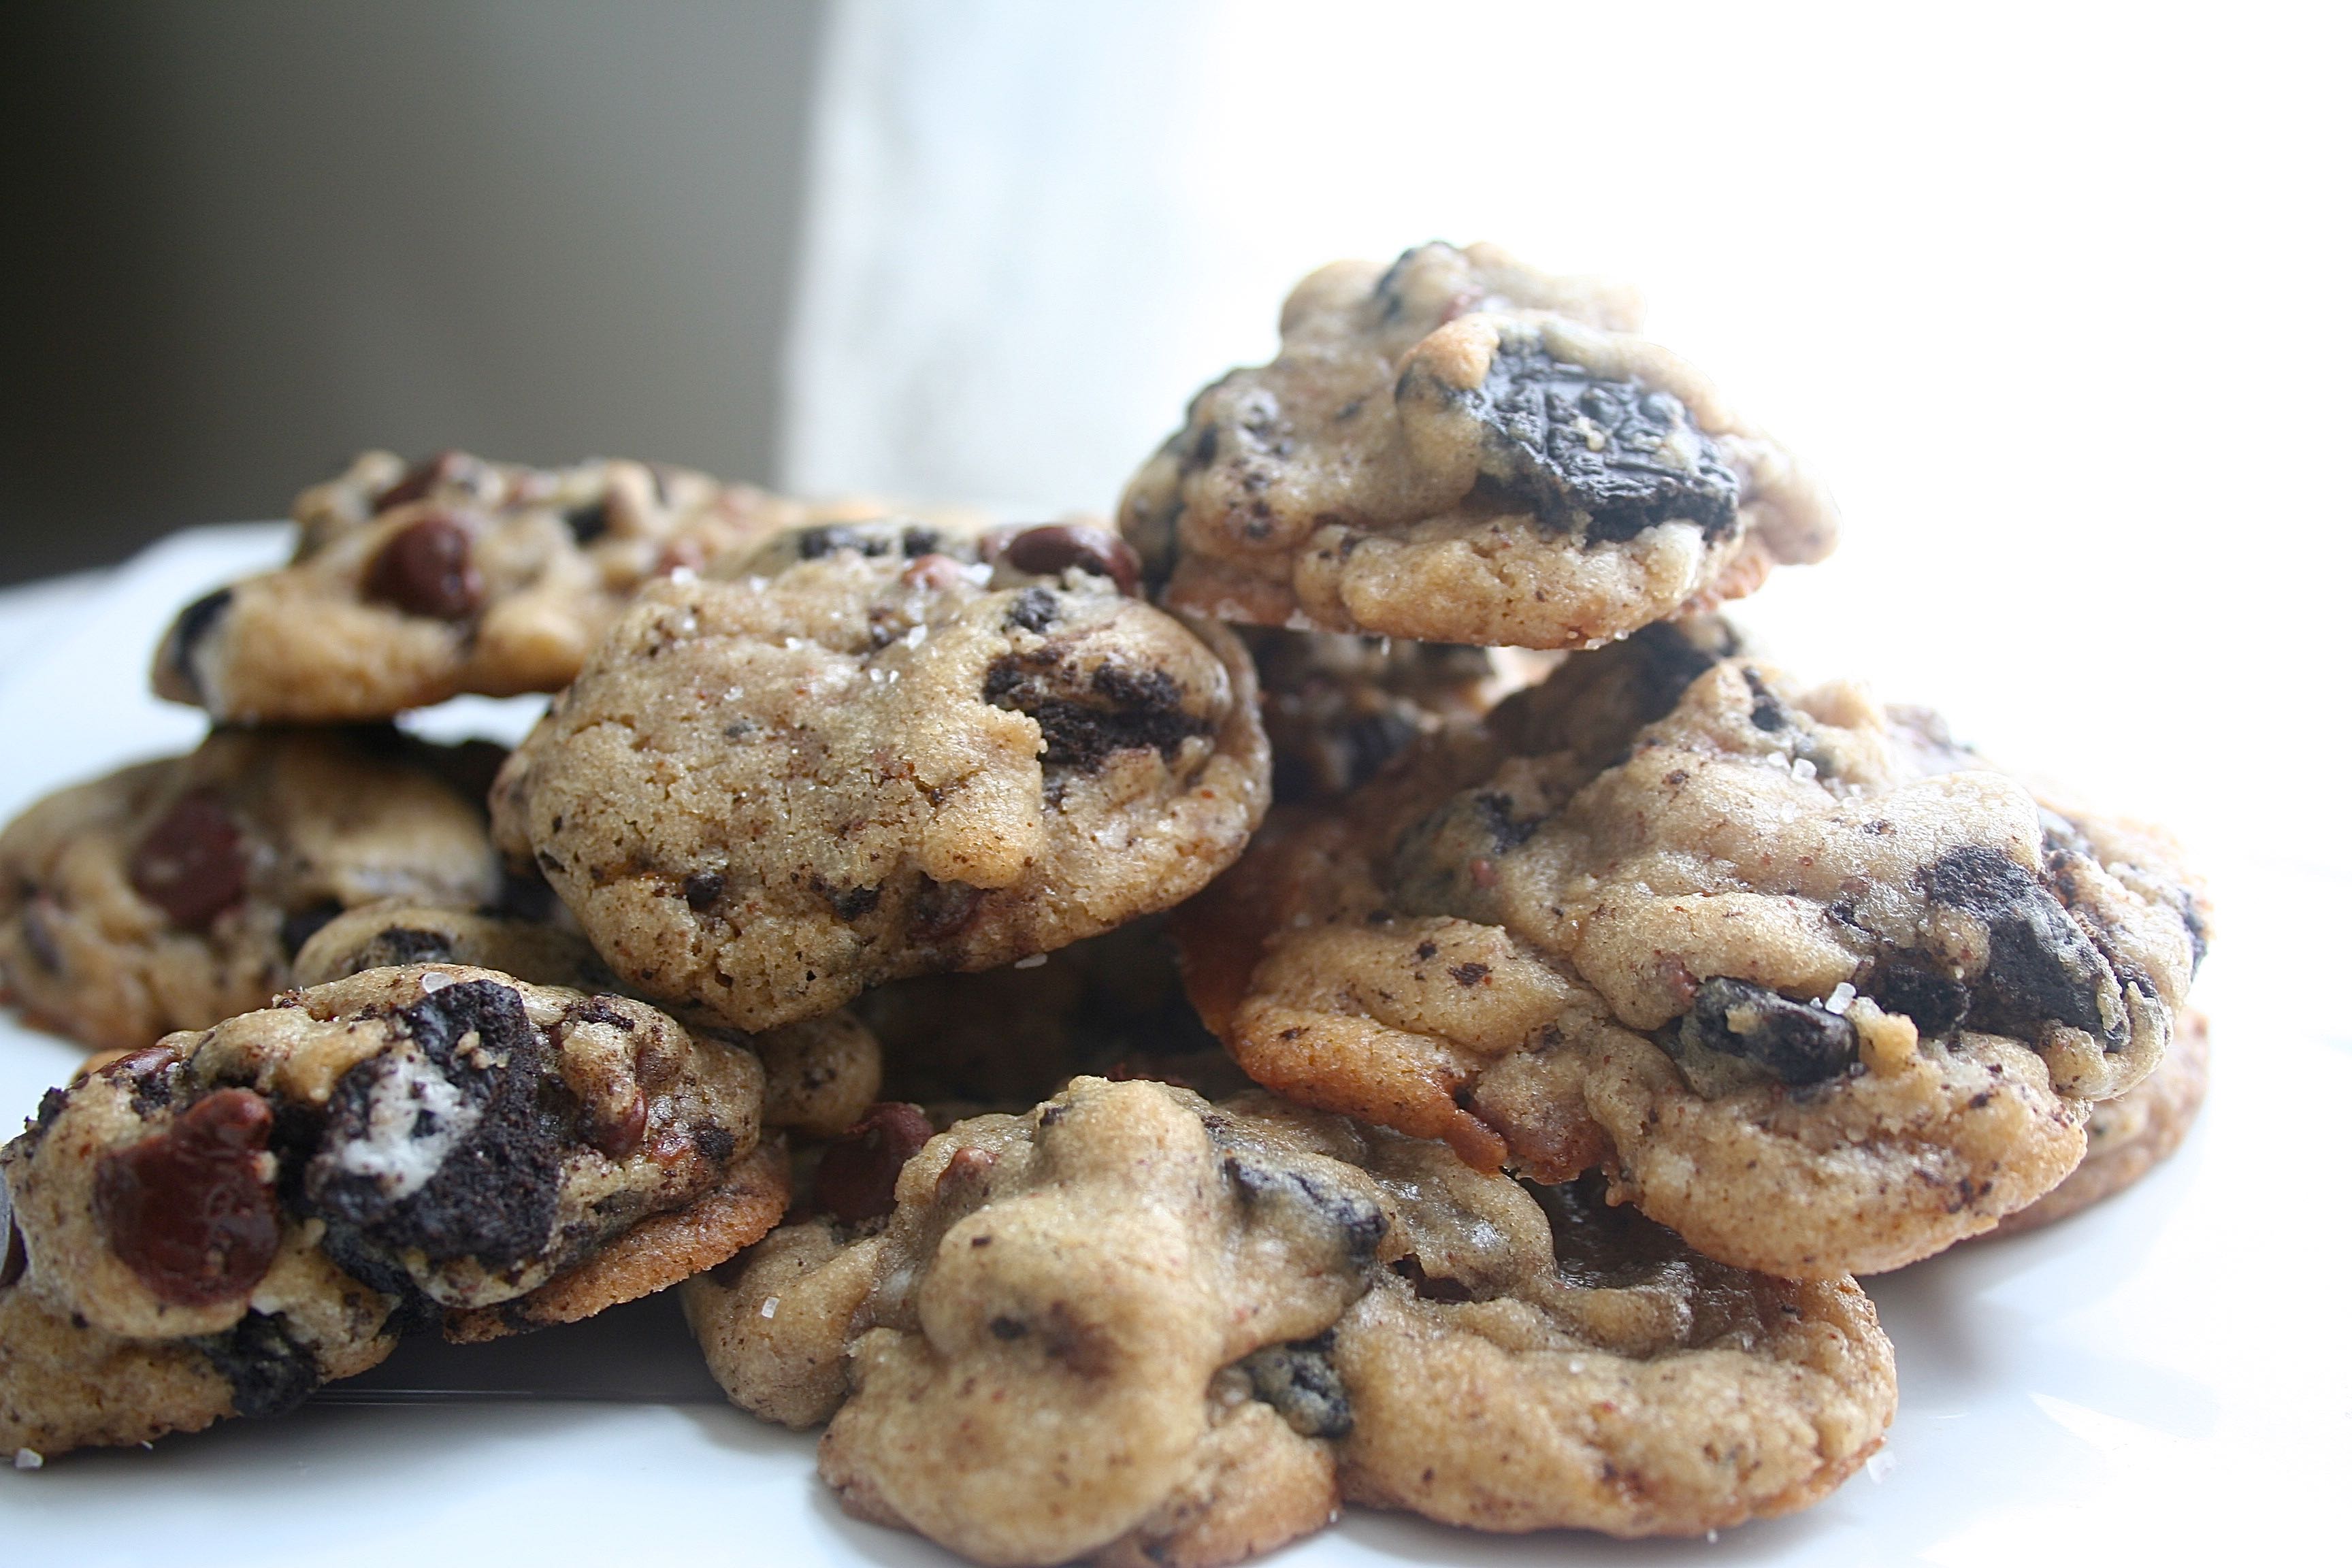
<point>435,1138</point>
<point>1459,449</point>
<point>1824,991</point>
<point>1133,1323</point>
<point>412,584</point>
<point>857,753</point>
<point>174,893</point>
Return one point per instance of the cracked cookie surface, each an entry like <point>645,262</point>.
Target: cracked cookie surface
<point>855,754</point>
<point>1463,450</point>
<point>410,585</point>
<point>218,1223</point>
<point>1818,987</point>
<point>174,893</point>
<point>1133,1325</point>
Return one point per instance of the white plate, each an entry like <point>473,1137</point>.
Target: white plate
<point>2155,1379</point>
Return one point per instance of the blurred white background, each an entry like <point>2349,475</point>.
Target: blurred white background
<point>2052,295</point>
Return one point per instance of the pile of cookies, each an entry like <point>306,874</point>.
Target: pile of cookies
<point>1356,986</point>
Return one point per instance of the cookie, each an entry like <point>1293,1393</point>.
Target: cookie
<point>1460,449</point>
<point>822,1073</point>
<point>409,586</point>
<point>1134,1326</point>
<point>1337,708</point>
<point>218,1223</point>
<point>175,893</point>
<point>2131,1134</point>
<point>856,754</point>
<point>1820,989</point>
<point>1006,1039</point>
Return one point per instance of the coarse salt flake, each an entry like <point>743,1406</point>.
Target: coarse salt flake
<point>768,1307</point>
<point>1035,961</point>
<point>1840,999</point>
<point>436,981</point>
<point>1803,767</point>
<point>28,1460</point>
<point>1877,1465</point>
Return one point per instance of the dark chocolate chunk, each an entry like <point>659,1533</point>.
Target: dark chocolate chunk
<point>426,569</point>
<point>702,889</point>
<point>1617,455</point>
<point>918,542</point>
<point>420,479</point>
<point>2041,966</point>
<point>298,926</point>
<point>1050,551</point>
<point>268,1371</point>
<point>1354,1222</point>
<point>1911,983</point>
<point>40,938</point>
<point>191,863</point>
<point>1034,609</point>
<point>590,520</point>
<point>1598,1246</point>
<point>187,632</point>
<point>1796,1042</point>
<point>1117,710</point>
<point>1299,1380</point>
<point>621,1136</point>
<point>188,1209</point>
<point>395,947</point>
<point>492,1192</point>
<point>857,1178</point>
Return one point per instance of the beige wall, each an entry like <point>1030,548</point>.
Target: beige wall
<point>247,236</point>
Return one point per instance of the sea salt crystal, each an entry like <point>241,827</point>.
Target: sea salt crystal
<point>1803,767</point>
<point>27,1460</point>
<point>768,1307</point>
<point>915,638</point>
<point>1840,999</point>
<point>1877,1465</point>
<point>1035,961</point>
<point>435,982</point>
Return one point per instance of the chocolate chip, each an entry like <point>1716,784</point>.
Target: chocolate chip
<point>395,947</point>
<point>426,569</point>
<point>1354,1222</point>
<point>1796,1042</point>
<point>1049,550</point>
<point>1117,710</point>
<point>1299,1380</point>
<point>1032,610</point>
<point>300,926</point>
<point>702,888</point>
<point>590,520</point>
<point>149,1072</point>
<point>1621,457</point>
<point>419,480</point>
<point>1764,709</point>
<point>268,1371</point>
<point>857,1178</point>
<point>191,863</point>
<point>1911,983</point>
<point>40,938</point>
<point>621,1137</point>
<point>187,632</point>
<point>2042,967</point>
<point>188,1209</point>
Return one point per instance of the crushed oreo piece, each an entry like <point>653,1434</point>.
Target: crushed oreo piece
<point>1796,1042</point>
<point>2042,967</point>
<point>268,1371</point>
<point>1299,1380</point>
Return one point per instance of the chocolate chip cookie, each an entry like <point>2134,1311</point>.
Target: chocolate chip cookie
<point>1819,988</point>
<point>2131,1134</point>
<point>175,893</point>
<point>822,1073</point>
<point>1462,451</point>
<point>1138,1327</point>
<point>409,586</point>
<point>1337,708</point>
<point>857,753</point>
<point>218,1223</point>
